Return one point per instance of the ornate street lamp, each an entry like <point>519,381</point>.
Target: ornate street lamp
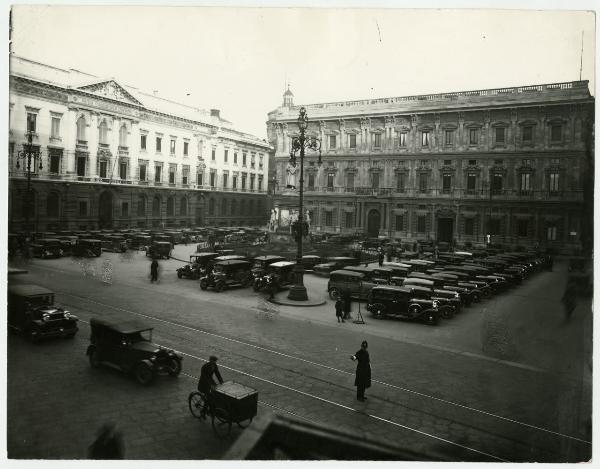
<point>27,154</point>
<point>300,227</point>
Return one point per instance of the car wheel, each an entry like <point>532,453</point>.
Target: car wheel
<point>174,367</point>
<point>203,284</point>
<point>32,335</point>
<point>144,374</point>
<point>476,298</point>
<point>334,293</point>
<point>179,275</point>
<point>448,313</point>
<point>256,286</point>
<point>378,311</point>
<point>94,358</point>
<point>431,319</point>
<point>414,310</point>
<point>219,286</point>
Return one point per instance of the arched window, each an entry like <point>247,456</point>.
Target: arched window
<point>103,133</point>
<point>141,207</point>
<point>170,206</point>
<point>81,129</point>
<point>123,136</point>
<point>156,207</point>
<point>224,207</point>
<point>52,204</point>
<point>211,206</point>
<point>184,206</point>
<point>234,207</point>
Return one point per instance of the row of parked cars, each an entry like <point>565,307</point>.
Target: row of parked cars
<point>428,290</point>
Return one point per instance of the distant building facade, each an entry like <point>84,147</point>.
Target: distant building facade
<point>512,163</point>
<point>114,157</point>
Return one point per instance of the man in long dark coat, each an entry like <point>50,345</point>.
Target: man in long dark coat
<point>363,371</point>
<point>154,270</point>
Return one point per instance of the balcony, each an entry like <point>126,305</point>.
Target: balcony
<point>123,151</point>
<point>81,145</point>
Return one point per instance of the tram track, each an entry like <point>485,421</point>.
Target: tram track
<point>493,439</point>
<point>468,424</point>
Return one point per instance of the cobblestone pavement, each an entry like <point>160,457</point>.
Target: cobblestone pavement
<point>298,359</point>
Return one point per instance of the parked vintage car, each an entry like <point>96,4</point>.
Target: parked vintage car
<point>341,283</point>
<point>47,248</point>
<point>128,346</point>
<point>160,250</point>
<point>199,265</point>
<point>334,263</point>
<point>260,263</point>
<point>31,311</point>
<point>227,274</point>
<point>279,274</point>
<point>398,302</point>
<point>114,243</point>
<point>449,302</point>
<point>67,243</point>
<point>309,261</point>
<point>141,242</point>
<point>88,247</point>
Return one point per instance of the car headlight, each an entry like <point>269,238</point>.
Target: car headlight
<point>436,304</point>
<point>152,358</point>
<point>48,253</point>
<point>45,317</point>
<point>456,295</point>
<point>67,315</point>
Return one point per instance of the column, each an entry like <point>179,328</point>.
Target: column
<point>70,126</point>
<point>134,138</point>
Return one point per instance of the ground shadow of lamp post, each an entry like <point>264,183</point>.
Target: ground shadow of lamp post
<point>29,152</point>
<point>300,227</point>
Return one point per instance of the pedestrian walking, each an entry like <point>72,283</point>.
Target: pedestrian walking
<point>347,304</point>
<point>380,257</point>
<point>108,444</point>
<point>154,271</point>
<point>339,309</point>
<point>362,380</point>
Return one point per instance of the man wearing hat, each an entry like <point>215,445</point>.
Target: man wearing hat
<point>206,382</point>
<point>363,371</point>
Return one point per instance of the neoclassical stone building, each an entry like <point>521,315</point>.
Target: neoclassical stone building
<point>112,156</point>
<point>515,163</point>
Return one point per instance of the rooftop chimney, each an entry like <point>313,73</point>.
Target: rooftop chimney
<point>215,113</point>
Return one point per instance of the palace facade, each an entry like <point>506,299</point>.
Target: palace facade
<point>106,155</point>
<point>514,163</point>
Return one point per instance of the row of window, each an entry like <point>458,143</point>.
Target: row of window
<point>234,207</point>
<point>235,158</point>
<point>123,138</point>
<point>500,136</point>
<point>423,182</point>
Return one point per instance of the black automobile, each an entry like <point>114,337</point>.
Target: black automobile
<point>198,266</point>
<point>88,247</point>
<point>309,261</point>
<point>160,250</point>
<point>399,302</point>
<point>114,243</point>
<point>260,264</point>
<point>31,311</point>
<point>128,346</point>
<point>334,263</point>
<point>449,304</point>
<point>141,242</point>
<point>227,274</point>
<point>47,248</point>
<point>279,274</point>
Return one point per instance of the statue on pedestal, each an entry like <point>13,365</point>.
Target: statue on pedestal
<point>290,181</point>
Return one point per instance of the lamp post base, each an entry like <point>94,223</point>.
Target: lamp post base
<point>298,290</point>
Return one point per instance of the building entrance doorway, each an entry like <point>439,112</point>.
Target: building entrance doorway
<point>445,230</point>
<point>105,210</point>
<point>373,223</point>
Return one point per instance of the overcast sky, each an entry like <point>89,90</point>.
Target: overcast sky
<point>238,60</point>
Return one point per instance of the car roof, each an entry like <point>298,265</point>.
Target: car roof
<point>233,257</point>
<point>232,262</point>
<point>349,273</point>
<point>268,257</point>
<point>124,327</point>
<point>28,290</point>
<point>337,258</point>
<point>205,254</point>
<point>93,240</point>
<point>392,288</point>
<point>359,268</point>
<point>311,256</point>
<point>162,242</point>
<point>282,264</point>
<point>395,265</point>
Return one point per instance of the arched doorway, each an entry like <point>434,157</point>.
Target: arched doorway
<point>373,223</point>
<point>105,210</point>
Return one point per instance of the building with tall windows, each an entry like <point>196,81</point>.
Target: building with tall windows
<point>107,155</point>
<point>514,163</point>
